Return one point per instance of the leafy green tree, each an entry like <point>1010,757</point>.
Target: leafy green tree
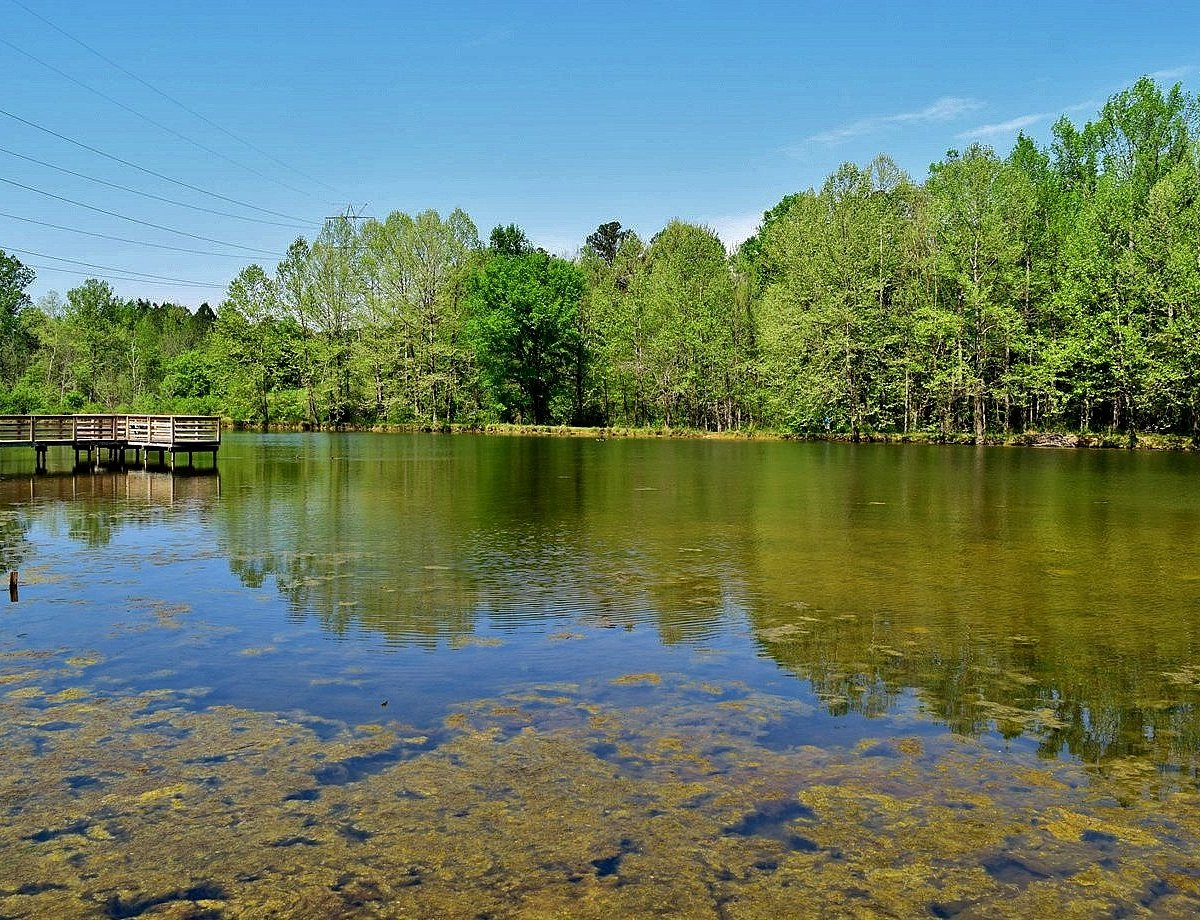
<point>411,343</point>
<point>92,324</point>
<point>294,287</point>
<point>509,241</point>
<point>250,340</point>
<point>615,334</point>
<point>606,283</point>
<point>524,325</point>
<point>981,206</point>
<point>605,241</point>
<point>190,380</point>
<point>828,326</point>
<point>1143,133</point>
<point>16,339</point>
<point>687,307</point>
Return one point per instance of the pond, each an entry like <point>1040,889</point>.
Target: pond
<point>370,675</point>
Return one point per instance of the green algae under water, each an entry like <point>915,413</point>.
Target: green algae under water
<point>405,676</point>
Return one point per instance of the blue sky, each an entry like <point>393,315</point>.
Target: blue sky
<point>554,116</point>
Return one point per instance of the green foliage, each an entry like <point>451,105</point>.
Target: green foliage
<point>605,241</point>
<point>411,341</point>
<point>829,330</point>
<point>689,352</point>
<point>16,338</point>
<point>1054,288</point>
<point>189,376</point>
<point>524,326</point>
<point>509,241</point>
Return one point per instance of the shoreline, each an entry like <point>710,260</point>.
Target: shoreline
<point>1035,439</point>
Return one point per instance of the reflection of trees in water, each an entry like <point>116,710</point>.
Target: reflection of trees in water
<point>1030,594</point>
<point>424,541</point>
<point>1068,701</point>
<point>347,541</point>
<point>92,506</point>
<point>14,542</point>
<point>1011,590</point>
<point>1044,595</point>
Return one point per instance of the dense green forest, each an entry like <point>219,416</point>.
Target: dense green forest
<point>1052,288</point>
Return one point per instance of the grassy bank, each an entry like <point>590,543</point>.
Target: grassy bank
<point>1041,439</point>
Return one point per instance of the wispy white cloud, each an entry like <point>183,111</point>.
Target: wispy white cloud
<point>1020,122</point>
<point>1175,73</point>
<point>1001,128</point>
<point>734,229</point>
<point>941,110</point>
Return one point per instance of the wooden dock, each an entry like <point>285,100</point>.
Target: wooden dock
<point>88,435</point>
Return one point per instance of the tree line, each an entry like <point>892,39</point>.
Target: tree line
<point>1057,287</point>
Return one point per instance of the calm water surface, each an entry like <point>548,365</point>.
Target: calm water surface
<point>386,675</point>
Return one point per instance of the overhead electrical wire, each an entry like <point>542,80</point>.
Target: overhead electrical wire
<point>134,220</point>
<point>130,274</point>
<point>151,195</point>
<point>108,268</point>
<point>121,239</point>
<point>148,171</point>
<point>118,277</point>
<point>146,118</point>
<point>150,86</point>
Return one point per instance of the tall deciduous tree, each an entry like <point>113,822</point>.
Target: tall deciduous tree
<point>688,310</point>
<point>524,325</point>
<point>16,339</point>
<point>981,206</point>
<point>605,241</point>
<point>250,340</point>
<point>829,333</point>
<point>412,341</point>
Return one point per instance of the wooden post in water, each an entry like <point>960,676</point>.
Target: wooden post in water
<point>12,586</point>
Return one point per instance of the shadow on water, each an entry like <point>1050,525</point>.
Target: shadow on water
<point>773,820</point>
<point>353,769</point>
<point>118,908</point>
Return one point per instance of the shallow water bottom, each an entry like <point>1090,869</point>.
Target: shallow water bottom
<point>678,801</point>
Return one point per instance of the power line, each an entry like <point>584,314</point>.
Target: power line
<point>109,268</point>
<point>134,220</point>
<point>71,271</point>
<point>121,239</point>
<point>147,170</point>
<point>134,191</point>
<point>170,98</point>
<point>146,118</point>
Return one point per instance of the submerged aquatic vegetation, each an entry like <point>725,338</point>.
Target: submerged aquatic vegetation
<point>767,696</point>
<point>554,802</point>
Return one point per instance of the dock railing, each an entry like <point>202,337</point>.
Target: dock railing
<point>172,430</point>
<point>113,432</point>
<point>16,429</point>
<point>39,429</point>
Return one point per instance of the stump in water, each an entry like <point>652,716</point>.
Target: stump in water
<point>12,586</point>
